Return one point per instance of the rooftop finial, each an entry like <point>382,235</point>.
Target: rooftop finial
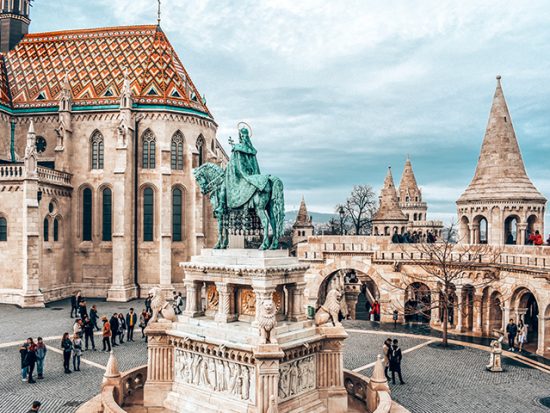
<point>158,14</point>
<point>498,78</point>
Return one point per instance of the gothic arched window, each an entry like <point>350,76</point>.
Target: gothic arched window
<point>56,230</point>
<point>97,150</point>
<point>107,215</point>
<point>200,149</point>
<point>177,213</point>
<point>46,229</point>
<point>87,214</point>
<point>149,150</point>
<point>148,214</point>
<point>3,229</point>
<point>177,151</point>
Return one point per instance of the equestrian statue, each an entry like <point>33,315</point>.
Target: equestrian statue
<point>243,200</point>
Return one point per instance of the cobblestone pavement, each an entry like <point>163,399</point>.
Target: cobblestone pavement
<point>438,381</point>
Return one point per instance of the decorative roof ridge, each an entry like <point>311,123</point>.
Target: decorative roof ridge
<point>32,36</point>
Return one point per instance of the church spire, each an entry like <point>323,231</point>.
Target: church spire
<point>14,23</point>
<point>500,172</point>
<point>302,218</point>
<point>408,188</point>
<point>389,204</point>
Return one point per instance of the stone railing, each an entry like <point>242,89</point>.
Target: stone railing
<point>381,249</point>
<point>374,401</point>
<point>52,176</point>
<point>118,392</point>
<point>12,172</point>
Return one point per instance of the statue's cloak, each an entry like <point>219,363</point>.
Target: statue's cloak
<point>242,175</point>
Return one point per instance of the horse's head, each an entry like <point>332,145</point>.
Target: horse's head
<point>208,177</point>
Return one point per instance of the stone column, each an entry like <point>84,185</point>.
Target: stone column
<point>542,330</point>
<point>435,320</point>
<point>520,234</point>
<point>193,307</point>
<point>330,369</point>
<point>296,302</point>
<point>352,292</point>
<point>165,220</point>
<point>226,305</point>
<point>268,358</point>
<point>460,310</point>
<point>477,327</point>
<point>160,365</point>
<point>507,313</point>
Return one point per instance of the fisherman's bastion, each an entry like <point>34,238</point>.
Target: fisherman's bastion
<point>113,183</point>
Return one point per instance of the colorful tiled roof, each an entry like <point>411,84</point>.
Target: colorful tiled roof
<point>95,60</point>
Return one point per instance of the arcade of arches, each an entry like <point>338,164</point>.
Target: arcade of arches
<point>474,309</point>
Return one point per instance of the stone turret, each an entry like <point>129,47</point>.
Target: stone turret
<point>389,218</point>
<point>303,226</point>
<point>410,196</point>
<point>501,204</point>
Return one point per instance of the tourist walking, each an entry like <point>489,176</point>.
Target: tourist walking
<point>106,333</point>
<point>83,311</point>
<point>114,329</point>
<point>143,320</point>
<point>77,352</point>
<point>131,321</point>
<point>121,328</point>
<point>179,303</point>
<point>35,407</point>
<point>512,331</point>
<point>395,318</point>
<point>395,357</point>
<point>94,317</point>
<point>386,347</point>
<point>23,353</point>
<point>30,361</point>
<point>522,335</point>
<point>41,351</point>
<point>148,303</point>
<point>74,305</point>
<point>67,346</point>
<point>89,333</point>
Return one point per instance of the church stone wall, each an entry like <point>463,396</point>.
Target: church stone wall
<point>11,251</point>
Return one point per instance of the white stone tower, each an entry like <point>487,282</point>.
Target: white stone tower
<point>501,204</point>
<point>389,218</point>
<point>410,196</point>
<point>303,226</point>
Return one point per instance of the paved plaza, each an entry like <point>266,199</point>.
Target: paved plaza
<point>438,380</point>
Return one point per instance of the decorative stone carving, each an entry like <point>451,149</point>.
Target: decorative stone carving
<point>235,380</point>
<point>267,320</point>
<point>212,297</point>
<point>495,360</point>
<point>328,312</point>
<point>248,302</point>
<point>278,301</point>
<point>160,306</point>
<point>296,377</point>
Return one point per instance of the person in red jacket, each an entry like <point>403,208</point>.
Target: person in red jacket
<point>537,238</point>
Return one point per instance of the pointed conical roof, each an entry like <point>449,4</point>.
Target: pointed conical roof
<point>302,219</point>
<point>389,205</point>
<point>500,172</point>
<point>408,186</point>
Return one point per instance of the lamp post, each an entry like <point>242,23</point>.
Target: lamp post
<point>342,214</point>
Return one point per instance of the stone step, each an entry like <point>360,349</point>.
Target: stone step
<point>296,335</point>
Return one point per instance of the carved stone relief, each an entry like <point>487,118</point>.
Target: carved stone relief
<point>234,380</point>
<point>247,303</point>
<point>212,297</point>
<point>296,377</point>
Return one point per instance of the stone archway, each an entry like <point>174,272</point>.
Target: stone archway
<point>467,307</point>
<point>511,230</point>
<point>494,321</point>
<point>418,303</point>
<point>532,222</point>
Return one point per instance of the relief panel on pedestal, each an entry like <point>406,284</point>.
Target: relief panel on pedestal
<point>234,380</point>
<point>296,377</point>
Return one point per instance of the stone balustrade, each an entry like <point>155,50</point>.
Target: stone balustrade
<point>382,250</point>
<point>127,391</point>
<point>12,172</point>
<point>17,172</point>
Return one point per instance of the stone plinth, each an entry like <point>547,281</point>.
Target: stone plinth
<point>222,361</point>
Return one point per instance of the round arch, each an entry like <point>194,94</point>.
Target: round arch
<point>418,303</point>
<point>482,230</point>
<point>511,235</point>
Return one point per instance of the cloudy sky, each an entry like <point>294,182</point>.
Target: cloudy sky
<point>336,91</point>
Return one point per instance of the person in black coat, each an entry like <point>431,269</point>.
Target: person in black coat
<point>30,361</point>
<point>74,305</point>
<point>23,350</point>
<point>395,357</point>
<point>114,329</point>
<point>89,332</point>
<point>512,330</point>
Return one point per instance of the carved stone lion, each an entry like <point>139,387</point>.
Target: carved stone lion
<point>328,312</point>
<point>160,306</point>
<point>267,321</point>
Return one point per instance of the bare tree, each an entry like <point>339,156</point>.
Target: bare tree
<point>359,208</point>
<point>448,265</point>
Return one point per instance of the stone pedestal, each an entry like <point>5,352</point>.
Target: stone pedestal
<point>222,362</point>
<point>122,293</point>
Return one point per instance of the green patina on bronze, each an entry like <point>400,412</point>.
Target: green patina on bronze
<point>244,200</point>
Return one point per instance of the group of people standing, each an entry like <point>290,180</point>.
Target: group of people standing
<point>392,359</point>
<point>32,356</point>
<point>119,326</point>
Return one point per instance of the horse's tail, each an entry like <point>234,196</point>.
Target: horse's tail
<point>278,204</point>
